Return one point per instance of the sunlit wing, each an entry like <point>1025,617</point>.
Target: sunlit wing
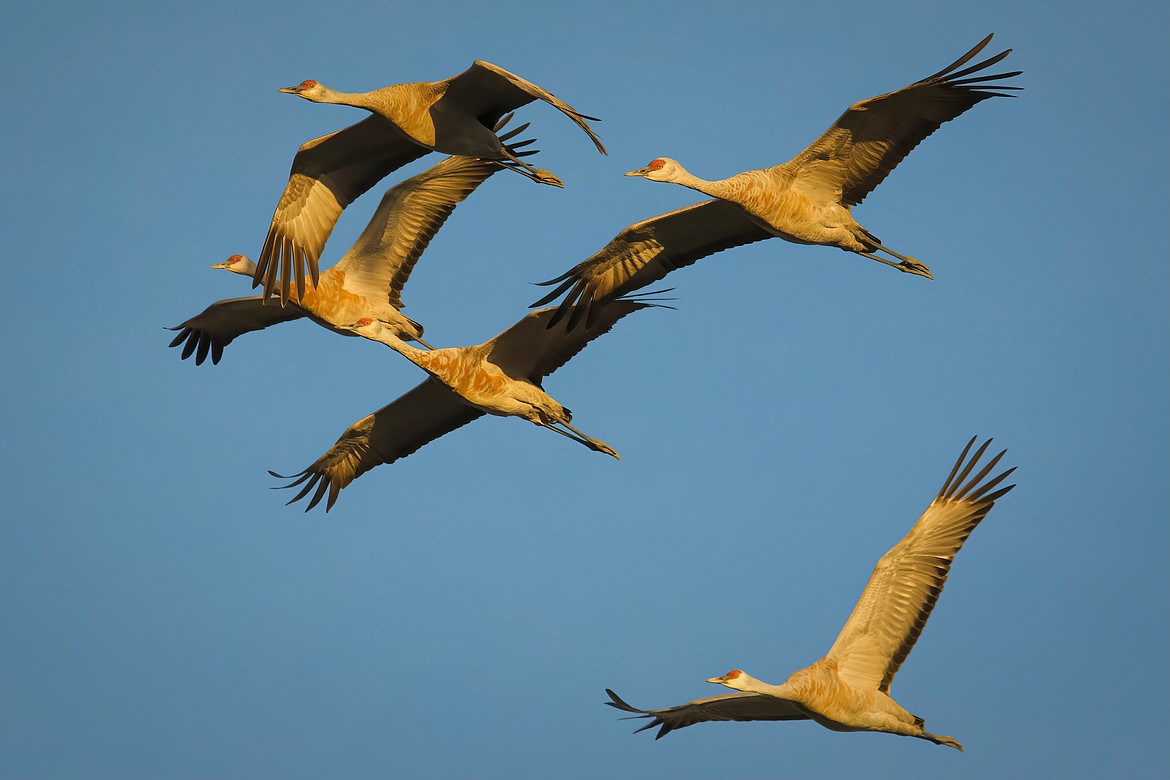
<point>907,581</point>
<point>647,251</point>
<point>488,92</point>
<point>328,173</point>
<point>216,326</point>
<point>410,214</point>
<point>873,136</point>
<point>732,706</point>
<point>398,429</point>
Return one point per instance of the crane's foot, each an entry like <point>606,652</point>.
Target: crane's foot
<point>943,739</point>
<point>600,446</point>
<point>912,266</point>
<point>544,177</point>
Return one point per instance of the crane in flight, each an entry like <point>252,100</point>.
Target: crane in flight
<point>849,688</point>
<point>369,278</point>
<point>502,376</point>
<point>458,115</point>
<point>808,199</point>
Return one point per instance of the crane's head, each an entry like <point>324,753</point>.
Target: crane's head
<point>736,679</point>
<point>366,326</point>
<point>658,169</point>
<point>237,264</point>
<point>309,90</point>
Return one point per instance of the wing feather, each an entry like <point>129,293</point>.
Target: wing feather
<point>874,135</point>
<point>532,349</point>
<point>410,214</point>
<point>728,707</point>
<point>427,412</point>
<point>487,92</point>
<point>328,173</point>
<point>906,583</point>
<point>647,251</point>
<point>216,326</point>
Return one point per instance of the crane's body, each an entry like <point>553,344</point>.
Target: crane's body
<point>368,279</point>
<point>500,377</point>
<point>484,384</point>
<point>808,199</point>
<point>849,688</point>
<point>460,116</point>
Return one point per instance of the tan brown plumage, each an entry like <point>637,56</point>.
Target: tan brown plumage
<point>848,689</point>
<point>807,200</point>
<point>501,377</point>
<point>366,281</point>
<point>456,116</point>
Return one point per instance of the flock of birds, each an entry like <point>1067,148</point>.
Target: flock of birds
<point>807,200</point>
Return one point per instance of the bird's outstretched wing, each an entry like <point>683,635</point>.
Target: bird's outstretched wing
<point>410,214</point>
<point>907,581</point>
<point>396,430</point>
<point>873,136</point>
<point>732,706</point>
<point>328,173</point>
<point>487,92</point>
<point>532,349</point>
<point>645,252</point>
<point>214,328</point>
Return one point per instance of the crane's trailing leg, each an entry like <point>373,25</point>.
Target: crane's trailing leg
<point>512,157</point>
<point>580,438</point>
<point>942,739</point>
<point>594,444</point>
<point>871,244</point>
<point>538,175</point>
<point>908,265</point>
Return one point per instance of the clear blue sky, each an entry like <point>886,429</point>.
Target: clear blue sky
<point>458,614</point>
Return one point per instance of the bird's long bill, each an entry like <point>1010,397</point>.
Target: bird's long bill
<point>639,172</point>
<point>290,90</point>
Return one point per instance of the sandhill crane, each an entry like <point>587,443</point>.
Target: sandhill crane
<point>849,689</point>
<point>501,377</point>
<point>807,200</point>
<point>453,116</point>
<point>647,251</point>
<point>369,278</point>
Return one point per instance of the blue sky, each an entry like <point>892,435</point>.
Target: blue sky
<point>458,614</point>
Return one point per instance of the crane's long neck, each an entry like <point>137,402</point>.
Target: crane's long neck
<point>792,690</point>
<point>716,189</point>
<point>417,356</point>
<point>400,103</point>
<point>753,685</point>
<point>336,97</point>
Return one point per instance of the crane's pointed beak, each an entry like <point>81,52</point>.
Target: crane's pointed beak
<point>224,265</point>
<point>290,90</point>
<point>639,172</point>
